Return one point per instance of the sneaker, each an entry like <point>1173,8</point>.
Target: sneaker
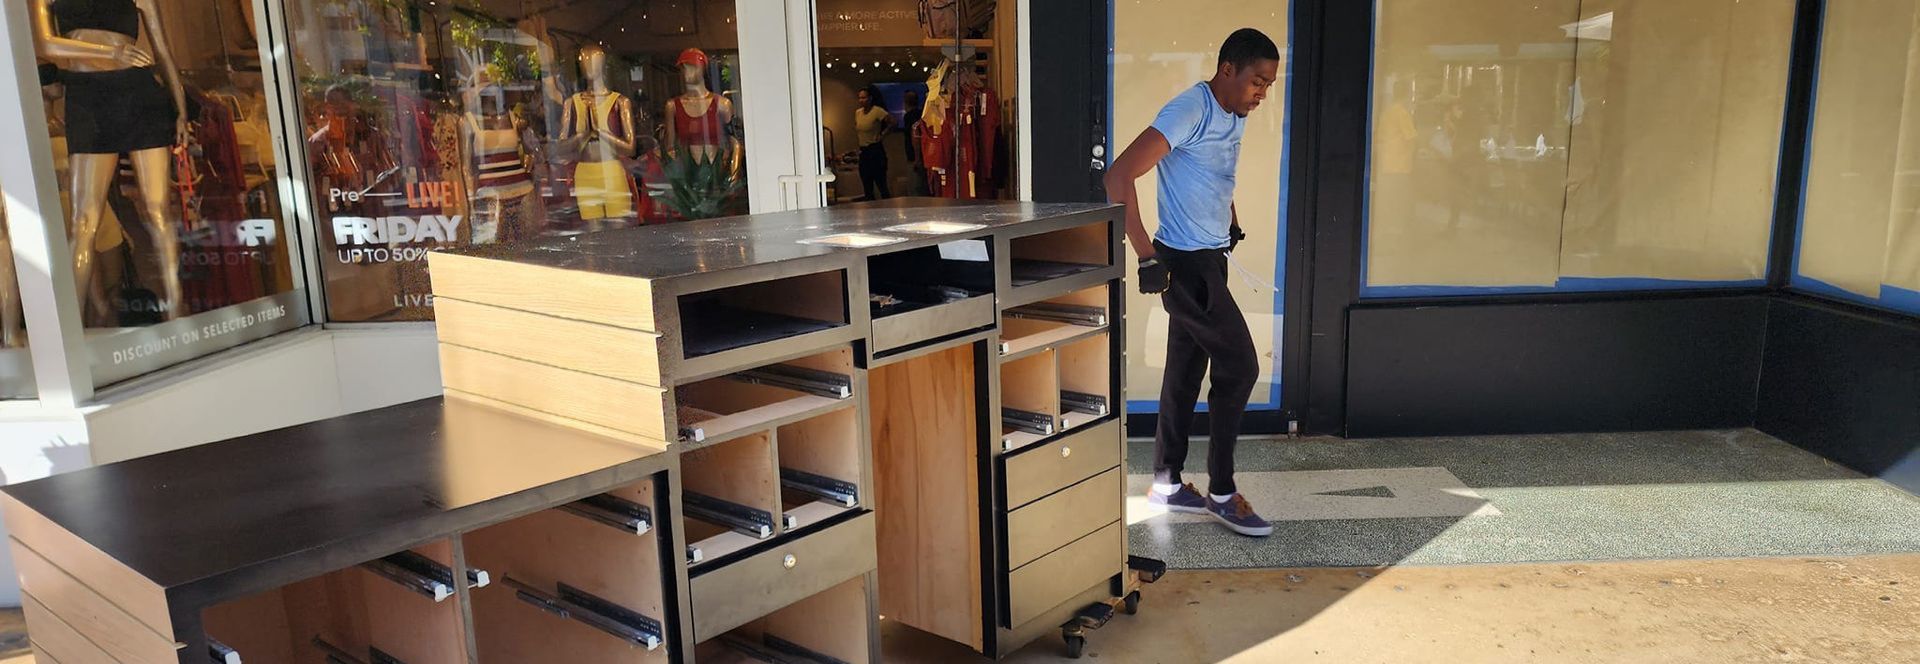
<point>1184,499</point>
<point>1238,516</point>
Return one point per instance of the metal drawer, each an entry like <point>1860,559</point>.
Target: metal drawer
<point>1064,574</point>
<point>1054,521</point>
<point>747,589</point>
<point>1044,469</point>
<point>932,322</point>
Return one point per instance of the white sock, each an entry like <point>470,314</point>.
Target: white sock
<point>1222,499</point>
<point>1165,489</point>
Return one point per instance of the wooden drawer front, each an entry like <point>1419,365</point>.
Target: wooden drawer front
<point>1054,521</point>
<point>750,588</point>
<point>1061,575</point>
<point>932,322</point>
<point>1044,469</point>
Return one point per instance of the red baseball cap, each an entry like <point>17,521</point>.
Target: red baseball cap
<point>692,56</point>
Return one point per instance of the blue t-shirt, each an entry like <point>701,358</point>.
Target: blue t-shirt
<point>1196,178</point>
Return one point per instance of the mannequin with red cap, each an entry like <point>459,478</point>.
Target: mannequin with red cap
<point>697,119</point>
<point>597,125</point>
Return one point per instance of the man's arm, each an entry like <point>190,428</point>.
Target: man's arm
<point>1140,157</point>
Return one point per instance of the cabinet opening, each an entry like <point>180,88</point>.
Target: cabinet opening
<point>915,279</point>
<point>399,608</point>
<point>577,583</point>
<point>1086,380</point>
<point>730,496</point>
<point>820,467</point>
<point>1029,399</point>
<point>720,408</point>
<point>1052,322</point>
<point>832,626</point>
<point>729,318</point>
<point>1058,254</point>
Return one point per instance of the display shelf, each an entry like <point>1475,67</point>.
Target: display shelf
<point>756,313</point>
<point>731,495</point>
<point>821,464</point>
<point>1086,381</point>
<point>1054,322</point>
<point>930,292</point>
<point>720,409</point>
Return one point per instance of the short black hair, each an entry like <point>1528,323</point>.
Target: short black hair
<point>1247,46</point>
<point>873,93</point>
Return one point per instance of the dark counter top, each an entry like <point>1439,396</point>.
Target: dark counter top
<point>247,513</point>
<point>666,251</point>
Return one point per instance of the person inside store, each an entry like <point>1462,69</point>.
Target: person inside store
<point>121,98</point>
<point>871,121</point>
<point>1195,145</point>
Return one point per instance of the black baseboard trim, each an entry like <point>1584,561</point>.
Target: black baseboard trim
<point>1844,382</point>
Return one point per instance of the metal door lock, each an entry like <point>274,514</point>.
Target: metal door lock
<point>1065,452</point>
<point>789,561</point>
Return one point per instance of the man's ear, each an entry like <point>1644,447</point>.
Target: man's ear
<point>1227,70</point>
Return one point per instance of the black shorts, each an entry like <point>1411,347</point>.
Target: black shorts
<point>116,112</point>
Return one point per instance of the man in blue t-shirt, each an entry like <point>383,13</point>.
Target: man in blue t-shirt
<point>1195,142</point>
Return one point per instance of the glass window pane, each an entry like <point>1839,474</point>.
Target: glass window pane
<point>1574,144</point>
<point>1860,236</point>
<point>170,182</point>
<point>1162,48</point>
<point>448,124</point>
<point>941,85</point>
<point>16,366</point>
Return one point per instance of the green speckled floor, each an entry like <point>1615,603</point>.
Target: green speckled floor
<point>1445,501</point>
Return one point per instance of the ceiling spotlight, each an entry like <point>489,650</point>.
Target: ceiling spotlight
<point>829,65</point>
<point>876,63</point>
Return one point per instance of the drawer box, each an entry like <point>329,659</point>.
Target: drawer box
<point>932,322</point>
<point>1057,520</point>
<point>742,591</point>
<point>1044,469</point>
<point>1064,574</point>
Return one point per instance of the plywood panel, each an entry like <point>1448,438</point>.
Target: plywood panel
<point>55,640</point>
<point>256,626</point>
<point>415,629</point>
<point>115,581</point>
<point>550,547</point>
<point>619,405</point>
<point>836,623</point>
<point>1086,366</point>
<point>828,445</point>
<point>926,445</point>
<point>617,301</point>
<point>1086,245</point>
<point>741,471</point>
<point>601,350</point>
<point>1031,384</point>
<point>110,627</point>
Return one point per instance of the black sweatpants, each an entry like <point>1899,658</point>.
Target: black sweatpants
<point>873,171</point>
<point>1207,328</point>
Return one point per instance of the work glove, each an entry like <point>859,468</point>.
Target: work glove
<point>1154,279</point>
<point>1234,236</point>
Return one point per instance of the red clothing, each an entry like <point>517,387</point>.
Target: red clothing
<point>972,121</point>
<point>702,131</point>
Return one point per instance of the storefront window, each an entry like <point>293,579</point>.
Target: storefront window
<point>917,98</point>
<point>432,125</point>
<point>167,172</point>
<point>16,366</point>
<point>1860,234</point>
<point>1573,144</point>
<point>1162,48</point>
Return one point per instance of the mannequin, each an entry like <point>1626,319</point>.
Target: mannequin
<point>597,125</point>
<point>697,119</point>
<point>501,185</point>
<point>117,102</point>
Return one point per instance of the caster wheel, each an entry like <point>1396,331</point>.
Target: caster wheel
<point>1132,603</point>
<point>1076,646</point>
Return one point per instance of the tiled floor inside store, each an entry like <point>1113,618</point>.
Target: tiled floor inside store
<point>1703,547</point>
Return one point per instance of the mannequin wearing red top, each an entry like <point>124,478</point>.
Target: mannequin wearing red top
<point>697,119</point>
<point>960,110</point>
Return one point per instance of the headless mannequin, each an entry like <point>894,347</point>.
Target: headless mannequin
<point>496,147</point>
<point>599,139</point>
<point>698,102</point>
<point>95,51</point>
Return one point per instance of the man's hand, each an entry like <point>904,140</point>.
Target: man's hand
<point>1154,279</point>
<point>1234,236</point>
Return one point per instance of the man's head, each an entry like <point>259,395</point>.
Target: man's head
<point>867,97</point>
<point>1249,66</point>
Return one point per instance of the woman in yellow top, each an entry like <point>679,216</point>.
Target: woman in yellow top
<point>871,122</point>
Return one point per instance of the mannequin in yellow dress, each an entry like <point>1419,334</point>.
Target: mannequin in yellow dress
<point>596,124</point>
